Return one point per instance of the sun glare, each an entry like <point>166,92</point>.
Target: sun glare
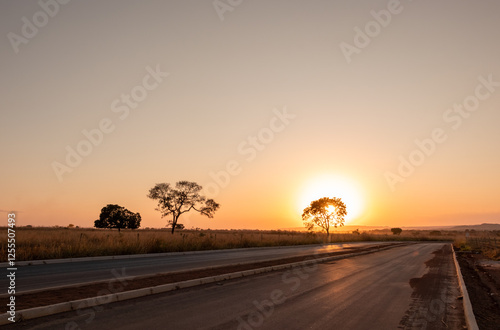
<point>334,186</point>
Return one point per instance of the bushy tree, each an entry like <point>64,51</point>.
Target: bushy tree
<point>116,216</point>
<point>181,199</point>
<point>396,231</point>
<point>324,213</point>
<point>178,226</point>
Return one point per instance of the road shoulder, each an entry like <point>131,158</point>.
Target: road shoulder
<point>436,299</point>
<point>482,280</point>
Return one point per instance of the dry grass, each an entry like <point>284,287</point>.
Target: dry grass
<point>52,243</point>
<point>485,242</point>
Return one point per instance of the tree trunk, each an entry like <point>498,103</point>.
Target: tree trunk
<point>174,222</point>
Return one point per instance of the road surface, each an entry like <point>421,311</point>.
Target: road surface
<point>52,275</point>
<point>408,287</point>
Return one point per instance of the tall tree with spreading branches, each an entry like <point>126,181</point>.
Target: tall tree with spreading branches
<point>181,199</point>
<point>324,212</point>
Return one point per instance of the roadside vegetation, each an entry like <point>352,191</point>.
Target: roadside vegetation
<point>475,252</point>
<point>485,242</point>
<point>37,243</point>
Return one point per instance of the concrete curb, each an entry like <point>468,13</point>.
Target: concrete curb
<point>147,255</point>
<point>36,312</point>
<point>80,284</point>
<point>136,277</point>
<point>130,278</point>
<point>164,254</point>
<point>470,319</point>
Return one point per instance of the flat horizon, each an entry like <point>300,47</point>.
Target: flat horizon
<point>268,106</point>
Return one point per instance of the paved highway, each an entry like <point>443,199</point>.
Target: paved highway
<point>57,274</point>
<point>408,287</point>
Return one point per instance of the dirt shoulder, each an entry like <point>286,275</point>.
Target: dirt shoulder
<point>434,301</point>
<point>49,297</point>
<point>482,278</point>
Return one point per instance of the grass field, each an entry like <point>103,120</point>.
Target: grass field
<point>487,243</point>
<point>51,243</point>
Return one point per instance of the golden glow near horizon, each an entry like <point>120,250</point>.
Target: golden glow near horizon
<point>95,113</point>
<point>334,186</point>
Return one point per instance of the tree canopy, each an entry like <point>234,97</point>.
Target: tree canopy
<point>116,216</point>
<point>324,213</point>
<point>396,231</point>
<point>181,199</point>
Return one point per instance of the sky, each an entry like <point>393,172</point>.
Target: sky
<point>393,106</point>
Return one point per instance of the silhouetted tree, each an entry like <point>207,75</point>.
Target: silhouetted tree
<point>356,232</point>
<point>181,199</point>
<point>396,231</point>
<point>116,216</point>
<point>324,212</point>
<point>178,226</point>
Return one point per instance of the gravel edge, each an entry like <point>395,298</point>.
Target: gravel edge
<point>469,313</point>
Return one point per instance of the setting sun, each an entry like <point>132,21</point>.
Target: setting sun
<point>334,186</point>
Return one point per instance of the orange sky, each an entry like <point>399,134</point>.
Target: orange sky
<point>264,102</point>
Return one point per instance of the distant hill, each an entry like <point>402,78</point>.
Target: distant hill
<point>349,228</point>
<point>483,226</point>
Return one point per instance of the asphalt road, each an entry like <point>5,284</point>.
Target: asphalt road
<point>57,274</point>
<point>408,287</point>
